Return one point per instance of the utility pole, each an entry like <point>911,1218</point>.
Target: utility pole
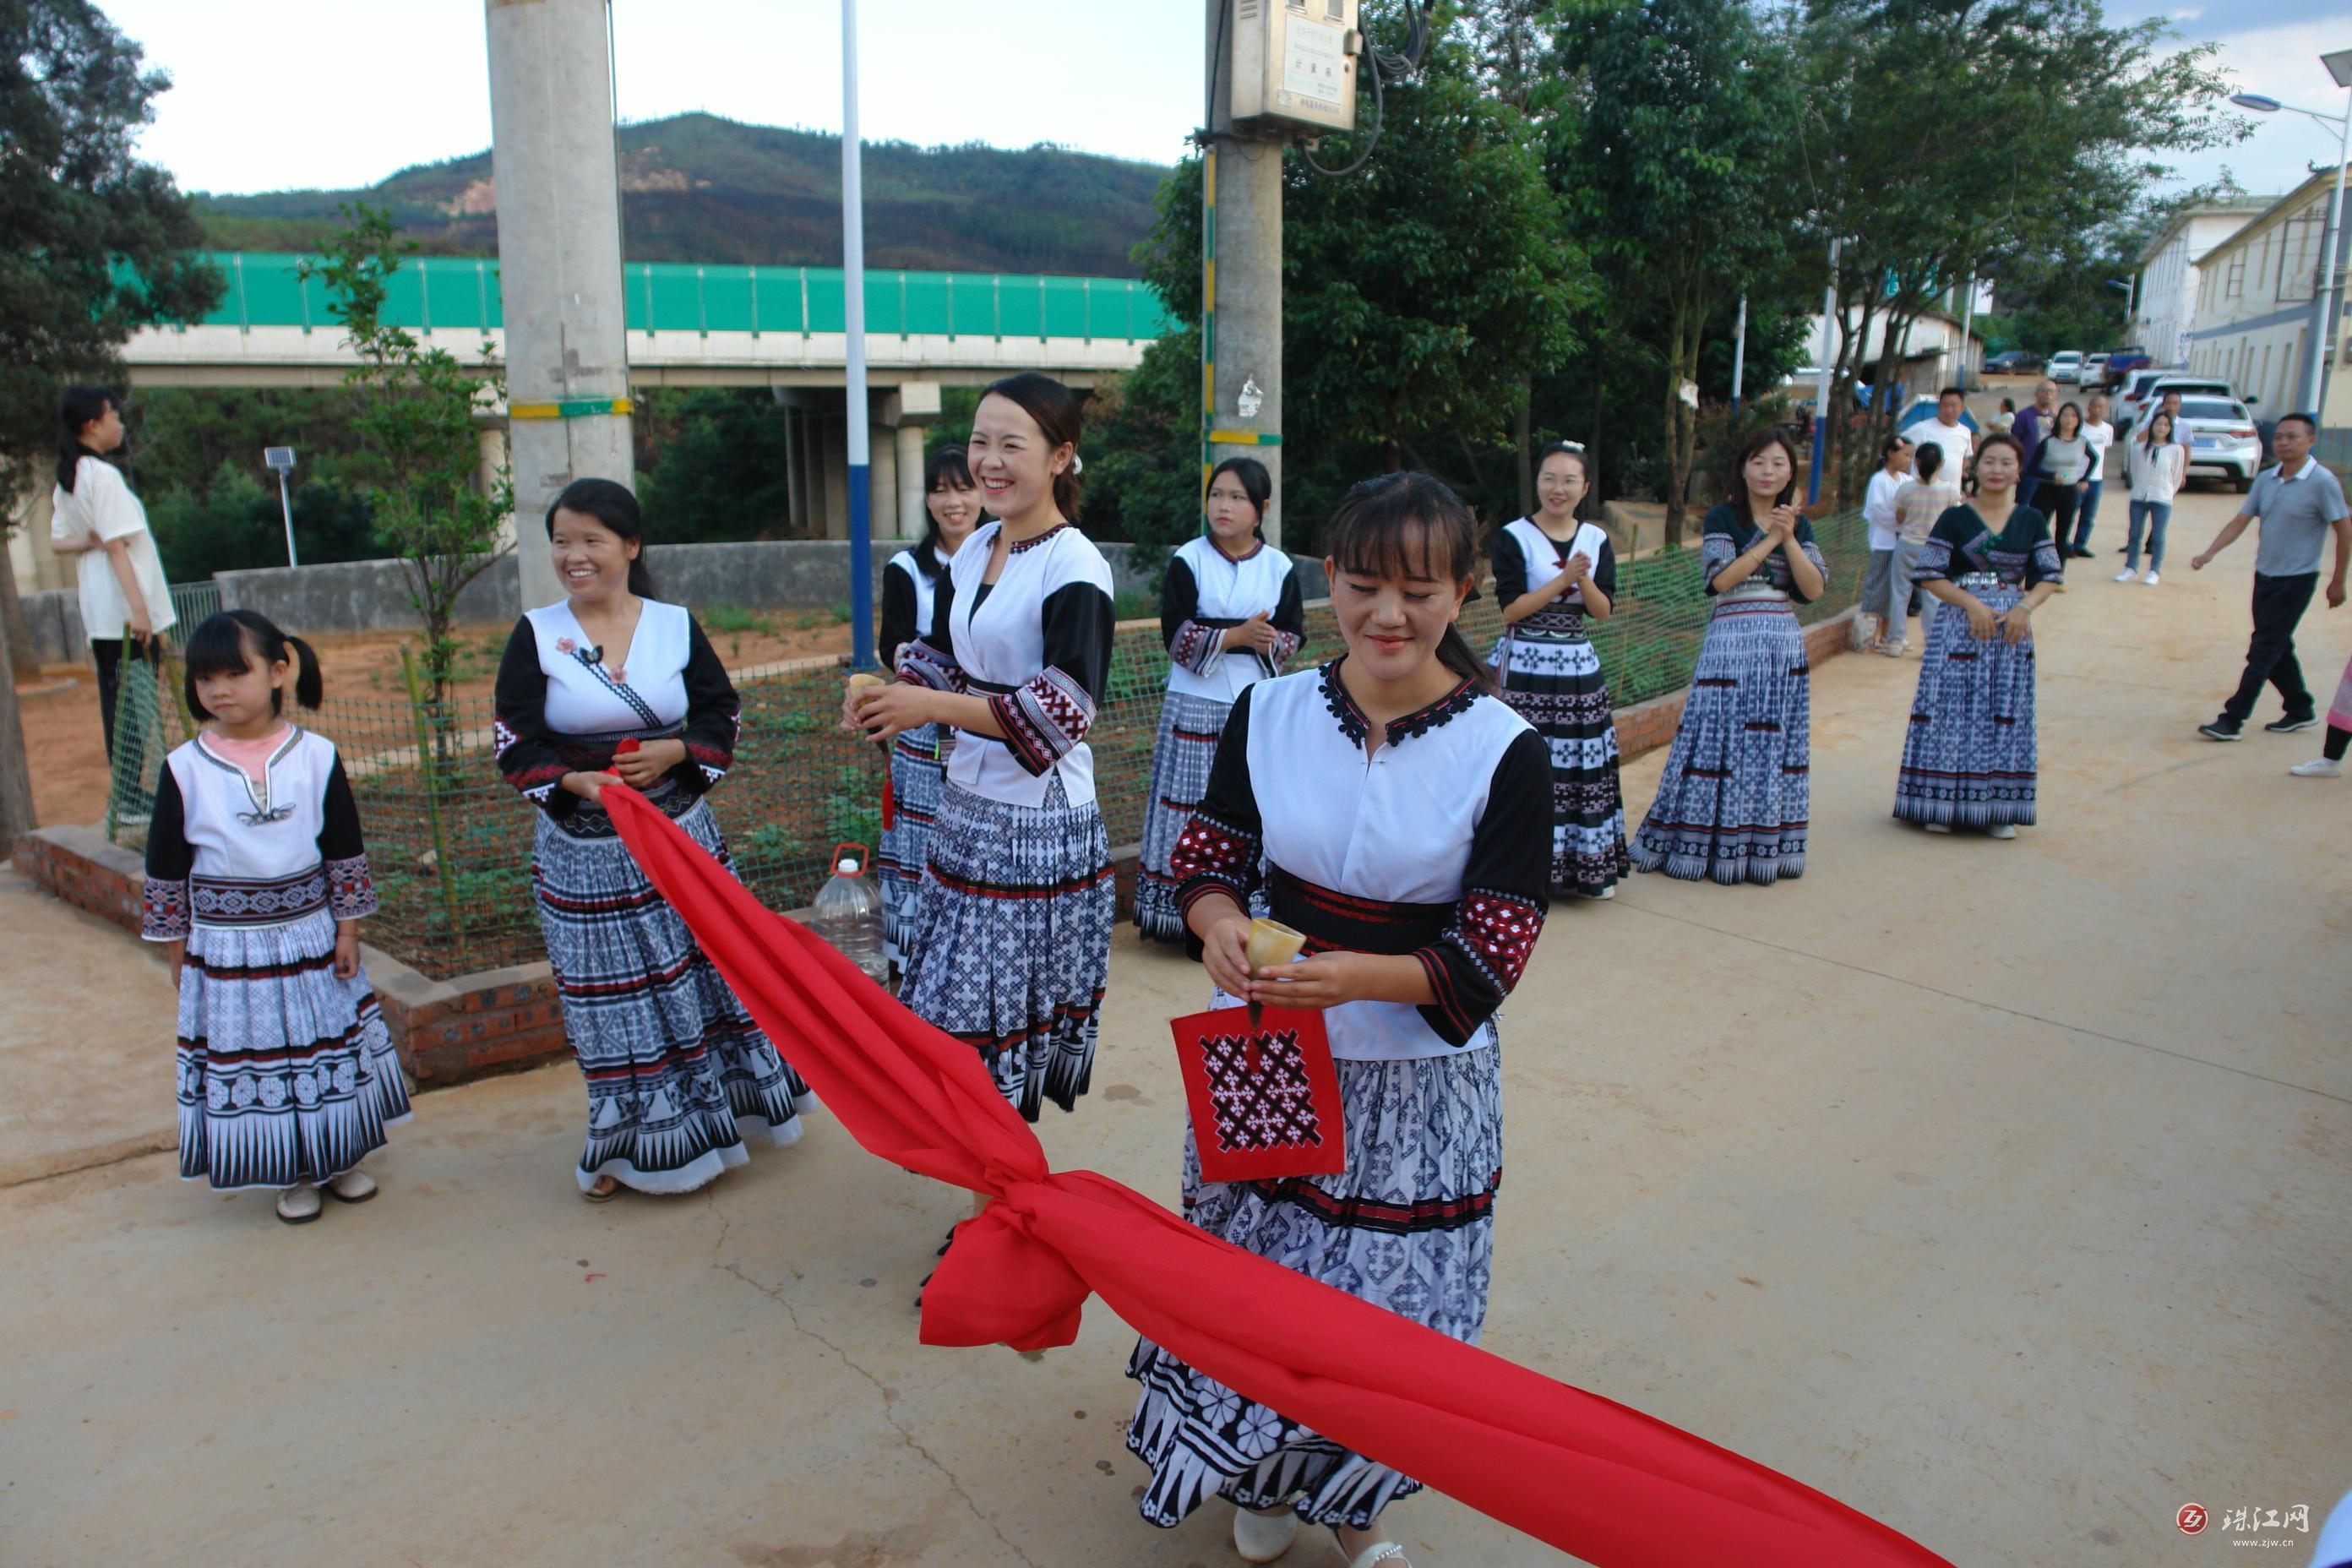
<point>556,166</point>
<point>2327,300</point>
<point>1241,278</point>
<point>853,284</point>
<point>1822,384</point>
<point>1968,330</point>
<point>1740,352</point>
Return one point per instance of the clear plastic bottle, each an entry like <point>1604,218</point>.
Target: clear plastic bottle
<point>848,912</point>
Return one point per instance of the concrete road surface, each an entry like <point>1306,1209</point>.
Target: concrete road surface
<point>2000,1189</point>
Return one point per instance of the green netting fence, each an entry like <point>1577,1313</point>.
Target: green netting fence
<point>450,842</point>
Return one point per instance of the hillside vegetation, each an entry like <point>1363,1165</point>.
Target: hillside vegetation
<point>700,188</point>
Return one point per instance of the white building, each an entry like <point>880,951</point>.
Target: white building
<point>2165,311</point>
<point>2253,304</point>
<point>1931,351</point>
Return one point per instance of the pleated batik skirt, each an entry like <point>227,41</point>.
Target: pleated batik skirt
<point>286,1073</point>
<point>1190,727</point>
<point>918,772</point>
<point>1969,757</point>
<point>1733,801</point>
<point>1552,678</point>
<point>1013,949</point>
<point>1409,1227</point>
<point>677,1073</point>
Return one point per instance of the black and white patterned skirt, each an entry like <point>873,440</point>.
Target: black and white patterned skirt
<point>1969,754</point>
<point>1551,677</point>
<point>1408,1225</point>
<point>1013,952</point>
<point>677,1070</point>
<point>1189,728</point>
<point>917,774</point>
<point>286,1072</point>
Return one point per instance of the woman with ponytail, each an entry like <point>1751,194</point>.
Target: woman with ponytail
<point>1230,614</point>
<point>612,685</point>
<point>1012,936</point>
<point>94,516</point>
<point>256,882</point>
<point>1732,805</point>
<point>1390,807</point>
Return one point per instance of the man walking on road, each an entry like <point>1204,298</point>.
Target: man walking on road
<point>2299,503</point>
<point>1945,430</point>
<point>2034,424</point>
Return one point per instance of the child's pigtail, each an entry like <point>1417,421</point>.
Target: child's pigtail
<point>309,686</point>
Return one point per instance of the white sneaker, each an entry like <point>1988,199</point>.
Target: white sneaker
<point>352,1186</point>
<point>2126,575</point>
<point>1263,1537</point>
<point>2150,579</point>
<point>298,1205</point>
<point>2001,830</point>
<point>2317,768</point>
<point>1939,826</point>
<point>1607,893</point>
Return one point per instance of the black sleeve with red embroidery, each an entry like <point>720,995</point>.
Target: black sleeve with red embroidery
<point>714,716</point>
<point>1223,844</point>
<point>1047,717</point>
<point>930,659</point>
<point>526,754</point>
<point>163,907</point>
<point>1189,643</point>
<point>1473,964</point>
<point>351,887</point>
<point>1289,622</point>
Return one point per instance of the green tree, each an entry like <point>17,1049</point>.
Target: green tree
<point>417,418</point>
<point>711,464</point>
<point>1682,106</point>
<point>99,244</point>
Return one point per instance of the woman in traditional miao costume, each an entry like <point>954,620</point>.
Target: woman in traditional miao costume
<point>1013,946</point>
<point>258,880</point>
<point>1552,575</point>
<point>918,757</point>
<point>612,685</point>
<point>1733,801</point>
<point>1392,809</point>
<point>1230,614</point>
<point>1969,757</point>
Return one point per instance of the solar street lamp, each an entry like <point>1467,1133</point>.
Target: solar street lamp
<point>280,462</point>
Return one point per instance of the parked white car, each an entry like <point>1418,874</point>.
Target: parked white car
<point>2221,434</point>
<point>2147,390</point>
<point>2093,372</point>
<point>2065,367</point>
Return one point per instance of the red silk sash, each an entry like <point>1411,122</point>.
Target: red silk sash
<point>1585,1474</point>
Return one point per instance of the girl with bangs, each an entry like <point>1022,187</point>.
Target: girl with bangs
<point>1230,614</point>
<point>918,757</point>
<point>1395,810</point>
<point>256,881</point>
<point>1732,803</point>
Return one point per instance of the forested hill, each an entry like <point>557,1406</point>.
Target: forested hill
<point>700,188</point>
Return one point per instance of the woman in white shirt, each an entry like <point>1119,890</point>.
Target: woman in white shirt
<point>2157,464</point>
<point>2098,434</point>
<point>1886,593</point>
<point>93,515</point>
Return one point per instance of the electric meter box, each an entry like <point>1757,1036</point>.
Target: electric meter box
<point>1294,63</point>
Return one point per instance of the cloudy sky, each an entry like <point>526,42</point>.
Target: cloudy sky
<point>266,94</point>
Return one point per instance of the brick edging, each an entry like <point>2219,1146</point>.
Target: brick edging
<point>503,1020</point>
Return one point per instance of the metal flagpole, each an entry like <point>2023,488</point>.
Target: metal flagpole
<point>1740,352</point>
<point>852,283</point>
<point>1821,397</point>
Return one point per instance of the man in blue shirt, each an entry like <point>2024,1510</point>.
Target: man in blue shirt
<point>2300,503</point>
<point>2031,426</point>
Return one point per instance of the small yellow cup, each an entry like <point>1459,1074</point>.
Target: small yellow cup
<point>1272,943</point>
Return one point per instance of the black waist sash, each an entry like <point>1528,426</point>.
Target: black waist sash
<point>1343,921</point>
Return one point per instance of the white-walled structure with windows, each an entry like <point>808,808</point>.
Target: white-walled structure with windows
<point>2254,305</point>
<point>2167,311</point>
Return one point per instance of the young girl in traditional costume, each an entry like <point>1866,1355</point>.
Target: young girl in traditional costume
<point>612,685</point>
<point>919,758</point>
<point>1231,614</point>
<point>257,880</point>
<point>1402,814</point>
<point>1969,753</point>
<point>1554,575</point>
<point>1013,946</point>
<point>1733,802</point>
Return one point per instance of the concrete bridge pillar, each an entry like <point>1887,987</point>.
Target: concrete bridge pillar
<point>551,160</point>
<point>909,411</point>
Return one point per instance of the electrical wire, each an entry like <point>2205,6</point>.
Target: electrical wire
<point>1382,67</point>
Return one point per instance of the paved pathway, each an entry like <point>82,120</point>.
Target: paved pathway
<point>1996,1188</point>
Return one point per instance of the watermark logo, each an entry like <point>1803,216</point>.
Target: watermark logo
<point>2248,1526</point>
<point>2190,1519</point>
